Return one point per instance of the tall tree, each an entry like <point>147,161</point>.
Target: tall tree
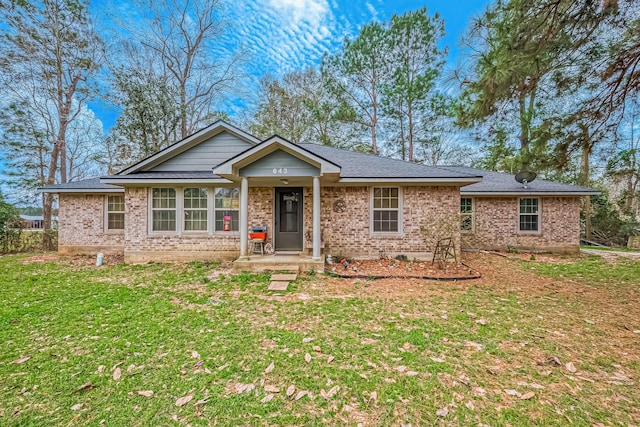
<point>356,75</point>
<point>49,52</point>
<point>185,39</point>
<point>415,61</point>
<point>524,45</point>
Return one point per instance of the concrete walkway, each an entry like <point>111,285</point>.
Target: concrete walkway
<point>612,255</point>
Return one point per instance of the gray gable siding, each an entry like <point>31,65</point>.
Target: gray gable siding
<point>283,163</point>
<point>205,155</point>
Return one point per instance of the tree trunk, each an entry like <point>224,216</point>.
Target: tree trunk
<point>410,129</point>
<point>585,182</point>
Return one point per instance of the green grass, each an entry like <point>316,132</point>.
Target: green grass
<point>397,358</point>
<point>607,248</point>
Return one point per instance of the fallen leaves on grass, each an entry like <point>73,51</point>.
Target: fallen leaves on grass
<point>290,390</point>
<point>244,388</point>
<point>302,394</point>
<point>117,373</point>
<point>307,358</point>
<point>569,366</point>
<point>185,399</point>
<point>84,387</point>
<point>145,393</point>
<point>527,395</point>
<point>330,359</point>
<point>21,360</point>
<point>269,368</point>
<point>329,394</point>
<point>271,389</point>
<point>443,412</point>
<point>267,398</point>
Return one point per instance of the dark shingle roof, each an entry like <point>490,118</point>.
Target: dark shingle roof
<point>204,175</point>
<point>361,165</point>
<point>504,183</point>
<point>91,184</point>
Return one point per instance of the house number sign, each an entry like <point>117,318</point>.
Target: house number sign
<point>279,171</point>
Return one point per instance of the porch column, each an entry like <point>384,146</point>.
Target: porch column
<point>316,218</point>
<point>244,213</point>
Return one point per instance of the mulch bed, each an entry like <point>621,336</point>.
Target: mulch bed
<point>394,268</point>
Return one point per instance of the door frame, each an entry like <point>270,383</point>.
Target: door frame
<point>276,217</point>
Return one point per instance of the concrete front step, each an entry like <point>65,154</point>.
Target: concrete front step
<point>278,286</point>
<point>277,263</point>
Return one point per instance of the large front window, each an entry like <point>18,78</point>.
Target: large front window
<point>164,209</point>
<point>194,210</point>
<point>386,210</point>
<point>529,215</point>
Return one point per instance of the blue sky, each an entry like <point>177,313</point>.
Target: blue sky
<point>286,35</point>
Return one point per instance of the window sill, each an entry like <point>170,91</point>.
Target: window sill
<point>381,234</point>
<point>530,233</point>
<point>115,232</point>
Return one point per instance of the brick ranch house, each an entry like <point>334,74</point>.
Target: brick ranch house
<point>199,199</point>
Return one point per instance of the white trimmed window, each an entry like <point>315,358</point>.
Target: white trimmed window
<point>466,214</point>
<point>529,215</point>
<point>227,209</point>
<point>163,209</point>
<point>386,210</point>
<point>115,212</point>
<point>195,209</point>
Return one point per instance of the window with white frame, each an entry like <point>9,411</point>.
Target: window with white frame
<point>195,209</point>
<point>227,209</point>
<point>386,210</point>
<point>529,215</point>
<point>115,212</point>
<point>466,214</point>
<point>163,209</point>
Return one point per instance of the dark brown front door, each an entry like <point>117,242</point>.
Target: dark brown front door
<point>288,222</point>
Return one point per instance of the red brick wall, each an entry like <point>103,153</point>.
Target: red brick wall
<point>81,226</point>
<point>349,233</point>
<point>496,225</point>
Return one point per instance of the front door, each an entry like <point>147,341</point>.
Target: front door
<point>288,222</point>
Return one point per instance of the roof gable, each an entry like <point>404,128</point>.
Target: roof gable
<point>207,147</point>
<point>285,149</point>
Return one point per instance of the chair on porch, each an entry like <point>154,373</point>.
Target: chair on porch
<point>257,238</point>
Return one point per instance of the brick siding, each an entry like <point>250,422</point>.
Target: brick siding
<point>497,222</point>
<point>81,228</point>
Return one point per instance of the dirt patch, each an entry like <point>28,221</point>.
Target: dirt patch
<point>394,268</point>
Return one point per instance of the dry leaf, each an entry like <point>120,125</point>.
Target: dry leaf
<point>374,396</point>
<point>101,368</point>
<point>307,358</point>
<point>85,387</point>
<point>470,405</point>
<point>271,389</point>
<point>527,395</point>
<point>437,359</point>
<point>512,393</point>
<point>267,398</point>
<point>481,322</point>
<point>372,365</point>
<point>330,359</point>
<point>145,393</point>
<point>570,367</point>
<point>442,412</point>
<point>76,407</point>
<point>317,349</point>
<point>411,373</point>
<point>328,394</point>
<point>117,373</point>
<point>184,400</point>
<point>401,368</point>
<point>195,355</point>
<point>269,368</point>
<point>290,390</point>
<point>301,394</point>
<point>307,339</point>
<point>21,360</point>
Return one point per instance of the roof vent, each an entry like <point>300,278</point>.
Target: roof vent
<point>525,177</point>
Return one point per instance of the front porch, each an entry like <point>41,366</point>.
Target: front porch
<point>278,262</point>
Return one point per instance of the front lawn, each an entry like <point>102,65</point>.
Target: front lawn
<point>541,342</point>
